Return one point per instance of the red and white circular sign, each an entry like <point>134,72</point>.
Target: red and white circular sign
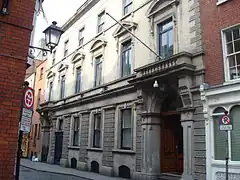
<point>28,98</point>
<point>225,119</point>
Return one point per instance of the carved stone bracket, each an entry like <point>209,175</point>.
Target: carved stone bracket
<point>153,99</point>
<point>185,93</point>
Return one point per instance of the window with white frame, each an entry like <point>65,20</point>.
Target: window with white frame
<point>232,51</point>
<point>127,6</point>
<point>75,131</point>
<point>62,87</point>
<point>97,118</point>
<point>98,71</point>
<point>101,22</point>
<point>66,48</point>
<point>126,129</point>
<point>165,38</point>
<point>221,145</point>
<point>81,37</point>
<point>126,63</point>
<point>78,80</point>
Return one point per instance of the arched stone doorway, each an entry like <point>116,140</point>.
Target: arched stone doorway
<point>171,136</point>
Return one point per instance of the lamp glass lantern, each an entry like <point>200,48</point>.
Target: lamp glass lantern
<point>52,35</point>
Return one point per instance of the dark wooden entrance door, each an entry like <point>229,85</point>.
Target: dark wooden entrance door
<point>58,147</point>
<point>171,144</point>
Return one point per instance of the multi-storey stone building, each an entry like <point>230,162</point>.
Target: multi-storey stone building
<point>113,106</point>
<point>221,34</point>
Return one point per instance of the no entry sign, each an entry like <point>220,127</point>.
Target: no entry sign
<point>27,109</point>
<point>225,123</point>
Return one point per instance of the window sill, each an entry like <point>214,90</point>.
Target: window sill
<point>74,147</point>
<point>233,81</point>
<point>123,151</point>
<point>95,149</point>
<point>221,2</point>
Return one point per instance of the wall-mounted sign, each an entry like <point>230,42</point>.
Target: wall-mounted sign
<point>225,123</point>
<point>27,110</point>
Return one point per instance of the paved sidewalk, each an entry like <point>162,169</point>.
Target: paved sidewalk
<point>43,167</point>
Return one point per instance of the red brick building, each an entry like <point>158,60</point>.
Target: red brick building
<point>15,31</point>
<point>221,35</point>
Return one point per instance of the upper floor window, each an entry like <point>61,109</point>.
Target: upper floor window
<point>50,91</point>
<point>41,73</point>
<point>97,130</point>
<point>53,57</point>
<point>165,38</point>
<point>81,37</point>
<point>62,87</point>
<point>78,80</point>
<point>98,71</point>
<point>75,131</point>
<point>66,48</point>
<point>100,22</point>
<point>127,6</point>
<point>232,49</point>
<point>126,63</point>
<point>126,129</point>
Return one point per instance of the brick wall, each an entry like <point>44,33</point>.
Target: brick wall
<point>213,19</point>
<point>15,31</point>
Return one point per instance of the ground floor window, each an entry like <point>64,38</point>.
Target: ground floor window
<point>221,143</point>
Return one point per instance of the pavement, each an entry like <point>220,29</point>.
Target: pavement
<point>38,171</point>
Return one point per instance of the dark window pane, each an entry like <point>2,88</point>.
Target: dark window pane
<point>237,59</point>
<point>237,45</point>
<point>229,48</point>
<point>231,60</point>
<point>236,33</point>
<point>229,36</point>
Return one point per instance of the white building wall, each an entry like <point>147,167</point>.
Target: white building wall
<point>111,67</point>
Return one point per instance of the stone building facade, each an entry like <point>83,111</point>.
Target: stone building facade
<point>113,106</point>
<point>220,94</point>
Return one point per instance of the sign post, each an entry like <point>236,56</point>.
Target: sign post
<point>225,124</point>
<point>24,121</point>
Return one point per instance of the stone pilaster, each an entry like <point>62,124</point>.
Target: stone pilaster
<point>151,143</point>
<point>65,144</point>
<point>187,124</point>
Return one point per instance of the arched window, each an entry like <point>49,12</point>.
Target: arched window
<point>220,137</point>
<point>235,133</point>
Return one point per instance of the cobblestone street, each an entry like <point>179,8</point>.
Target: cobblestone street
<point>29,174</point>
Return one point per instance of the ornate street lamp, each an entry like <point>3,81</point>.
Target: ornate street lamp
<point>52,36</point>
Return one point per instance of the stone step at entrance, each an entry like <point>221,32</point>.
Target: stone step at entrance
<point>166,176</point>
